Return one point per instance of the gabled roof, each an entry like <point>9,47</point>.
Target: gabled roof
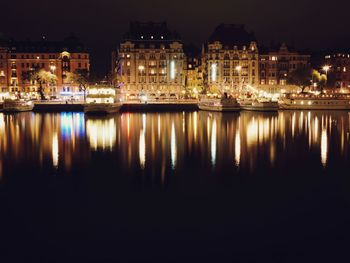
<point>150,31</point>
<point>70,44</point>
<point>275,48</point>
<point>232,35</point>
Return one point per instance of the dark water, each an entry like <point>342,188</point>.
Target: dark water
<point>175,187</point>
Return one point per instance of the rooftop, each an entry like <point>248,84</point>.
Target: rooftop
<point>150,31</point>
<point>69,44</point>
<point>232,35</point>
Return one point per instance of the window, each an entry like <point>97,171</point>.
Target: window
<point>79,65</point>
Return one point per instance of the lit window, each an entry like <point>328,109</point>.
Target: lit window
<point>172,69</point>
<point>128,55</point>
<point>213,72</point>
<point>151,37</point>
<point>128,63</point>
<point>141,37</point>
<point>161,37</point>
<point>344,69</point>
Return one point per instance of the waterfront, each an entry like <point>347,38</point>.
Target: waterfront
<point>188,184</point>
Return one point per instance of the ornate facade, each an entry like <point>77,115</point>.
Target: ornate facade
<point>339,63</point>
<point>230,59</point>
<point>277,63</point>
<point>19,58</point>
<point>150,60</point>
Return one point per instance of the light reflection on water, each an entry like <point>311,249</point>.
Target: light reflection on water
<point>101,133</point>
<point>164,142</point>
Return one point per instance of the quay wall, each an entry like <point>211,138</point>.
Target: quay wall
<point>132,107</point>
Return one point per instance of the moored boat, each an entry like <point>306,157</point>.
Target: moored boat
<point>311,101</point>
<point>17,105</point>
<point>102,108</point>
<point>224,104</point>
<point>101,100</point>
<point>259,105</point>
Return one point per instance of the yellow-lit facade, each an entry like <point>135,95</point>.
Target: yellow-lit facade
<point>19,58</point>
<point>101,94</point>
<point>150,61</point>
<point>230,59</point>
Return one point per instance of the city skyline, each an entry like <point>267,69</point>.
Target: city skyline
<point>314,25</point>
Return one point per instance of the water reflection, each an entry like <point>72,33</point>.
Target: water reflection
<point>213,142</point>
<point>142,149</point>
<point>160,143</point>
<point>101,133</point>
<point>173,146</point>
<point>324,147</point>
<point>55,149</point>
<point>237,148</point>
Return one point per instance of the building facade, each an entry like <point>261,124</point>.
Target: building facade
<point>19,59</point>
<point>339,63</point>
<point>150,60</point>
<point>275,64</point>
<point>230,59</point>
<point>193,74</point>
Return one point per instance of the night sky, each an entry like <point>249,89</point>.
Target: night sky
<point>100,24</point>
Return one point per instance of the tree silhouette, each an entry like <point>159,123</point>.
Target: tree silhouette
<point>39,77</point>
<point>300,77</point>
<point>81,78</point>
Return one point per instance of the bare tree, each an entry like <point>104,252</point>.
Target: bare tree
<point>39,77</point>
<point>81,78</point>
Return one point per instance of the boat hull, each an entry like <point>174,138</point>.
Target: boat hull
<point>18,108</point>
<point>101,108</point>
<point>219,108</point>
<point>260,108</point>
<point>313,107</point>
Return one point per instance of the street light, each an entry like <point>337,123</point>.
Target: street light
<point>326,68</point>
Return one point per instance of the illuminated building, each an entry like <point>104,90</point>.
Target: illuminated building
<point>275,64</point>
<point>18,59</point>
<point>194,80</point>
<point>339,68</point>
<point>230,58</point>
<point>101,94</point>
<point>150,61</point>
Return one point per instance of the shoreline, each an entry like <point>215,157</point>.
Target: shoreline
<point>132,107</point>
